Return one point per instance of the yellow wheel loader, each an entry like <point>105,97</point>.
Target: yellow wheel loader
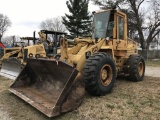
<point>15,58</point>
<point>57,86</point>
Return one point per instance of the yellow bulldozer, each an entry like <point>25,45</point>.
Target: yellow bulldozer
<point>92,64</point>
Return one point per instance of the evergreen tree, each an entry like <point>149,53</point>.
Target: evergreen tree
<point>78,22</point>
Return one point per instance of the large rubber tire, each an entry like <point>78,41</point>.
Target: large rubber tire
<point>136,68</point>
<point>100,74</point>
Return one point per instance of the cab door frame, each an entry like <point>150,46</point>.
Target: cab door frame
<point>120,42</point>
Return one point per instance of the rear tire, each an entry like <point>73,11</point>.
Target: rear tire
<point>100,74</point>
<point>136,67</point>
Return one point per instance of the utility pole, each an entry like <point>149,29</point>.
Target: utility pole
<point>34,37</point>
<point>13,37</point>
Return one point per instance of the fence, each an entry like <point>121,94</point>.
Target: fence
<point>150,54</point>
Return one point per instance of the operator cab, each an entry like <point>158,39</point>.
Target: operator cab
<point>51,47</point>
<point>111,25</point>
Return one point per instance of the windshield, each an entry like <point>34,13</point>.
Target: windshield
<point>100,24</point>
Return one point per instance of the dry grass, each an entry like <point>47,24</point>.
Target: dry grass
<point>128,101</point>
<point>154,63</point>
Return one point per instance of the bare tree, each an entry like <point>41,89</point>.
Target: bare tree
<point>146,20</point>
<point>11,40</point>
<point>135,7</point>
<point>153,24</point>
<point>54,24</point>
<point>4,23</point>
<point>7,40</point>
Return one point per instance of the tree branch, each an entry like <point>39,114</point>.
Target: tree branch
<point>158,31</point>
<point>140,4</point>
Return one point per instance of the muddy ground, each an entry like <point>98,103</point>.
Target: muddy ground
<point>128,101</point>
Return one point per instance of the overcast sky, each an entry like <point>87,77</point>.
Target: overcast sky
<point>26,15</point>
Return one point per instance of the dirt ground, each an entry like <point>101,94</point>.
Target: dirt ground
<point>128,101</point>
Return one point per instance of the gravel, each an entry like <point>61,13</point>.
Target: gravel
<point>152,71</point>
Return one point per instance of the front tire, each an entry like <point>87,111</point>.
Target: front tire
<point>100,74</point>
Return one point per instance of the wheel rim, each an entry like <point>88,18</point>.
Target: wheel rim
<point>140,68</point>
<point>106,75</point>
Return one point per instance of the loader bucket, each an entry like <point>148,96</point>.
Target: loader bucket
<point>50,86</point>
<point>10,68</point>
